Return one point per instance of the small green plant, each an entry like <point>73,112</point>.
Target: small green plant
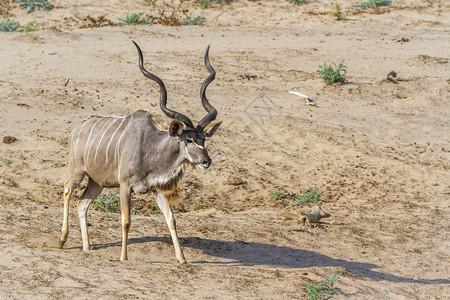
<point>337,13</point>
<point>307,196</point>
<point>341,272</point>
<point>330,74</point>
<point>189,21</point>
<point>198,207</point>
<point>29,27</point>
<point>206,3</point>
<point>31,5</point>
<point>155,209</point>
<point>5,161</point>
<point>148,3</point>
<point>109,202</point>
<point>7,25</point>
<point>373,3</point>
<point>276,194</point>
<point>386,295</point>
<point>297,2</point>
<point>134,19</point>
<point>323,288</point>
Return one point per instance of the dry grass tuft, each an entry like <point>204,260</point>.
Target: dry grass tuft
<point>169,14</point>
<point>101,21</point>
<point>5,6</point>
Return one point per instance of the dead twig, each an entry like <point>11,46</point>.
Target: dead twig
<point>393,74</point>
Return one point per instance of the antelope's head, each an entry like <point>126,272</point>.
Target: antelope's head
<point>191,138</point>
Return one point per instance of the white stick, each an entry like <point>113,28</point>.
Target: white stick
<point>308,99</point>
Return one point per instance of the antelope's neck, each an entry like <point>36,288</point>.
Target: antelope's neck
<point>166,165</point>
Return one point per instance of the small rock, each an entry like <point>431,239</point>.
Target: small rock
<point>9,139</point>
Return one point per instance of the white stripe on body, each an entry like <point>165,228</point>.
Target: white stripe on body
<point>117,117</point>
<point>72,134</point>
<point>100,141</point>
<point>117,154</point>
<point>89,138</point>
<point>117,148</point>
<point>101,130</point>
<point>112,137</point>
<point>78,139</point>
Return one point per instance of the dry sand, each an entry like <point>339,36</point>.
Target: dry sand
<point>378,151</point>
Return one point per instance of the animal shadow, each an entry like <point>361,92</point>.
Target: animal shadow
<point>261,254</point>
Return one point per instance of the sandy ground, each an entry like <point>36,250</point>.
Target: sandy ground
<point>378,151</point>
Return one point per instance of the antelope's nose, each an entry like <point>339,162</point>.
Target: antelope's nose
<point>207,162</point>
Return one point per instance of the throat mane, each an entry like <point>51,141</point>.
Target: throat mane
<point>168,183</point>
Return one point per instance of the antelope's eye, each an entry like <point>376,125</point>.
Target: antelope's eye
<point>189,140</point>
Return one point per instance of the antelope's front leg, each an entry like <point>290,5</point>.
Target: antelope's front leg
<point>164,205</point>
<point>125,204</point>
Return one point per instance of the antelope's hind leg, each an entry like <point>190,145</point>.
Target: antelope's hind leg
<point>93,189</point>
<point>164,205</point>
<point>69,187</point>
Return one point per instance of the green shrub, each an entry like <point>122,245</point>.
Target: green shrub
<point>307,196</point>
<point>373,3</point>
<point>276,194</point>
<point>330,74</point>
<point>325,287</point>
<point>193,21</point>
<point>7,25</point>
<point>31,5</point>
<point>134,19</point>
<point>109,202</point>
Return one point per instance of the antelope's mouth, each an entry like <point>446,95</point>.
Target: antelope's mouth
<point>205,165</point>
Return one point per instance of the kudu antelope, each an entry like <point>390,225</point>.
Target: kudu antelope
<point>133,154</point>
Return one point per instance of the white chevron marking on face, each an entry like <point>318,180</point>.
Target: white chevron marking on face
<point>201,147</point>
<point>188,156</point>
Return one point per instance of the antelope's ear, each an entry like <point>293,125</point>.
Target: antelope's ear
<point>212,130</point>
<point>176,128</point>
